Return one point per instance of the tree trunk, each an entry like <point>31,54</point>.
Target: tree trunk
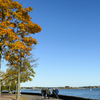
<point>18,85</point>
<point>18,82</point>
<point>16,92</point>
<point>9,89</point>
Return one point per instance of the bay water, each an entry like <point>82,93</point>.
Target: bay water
<point>85,93</point>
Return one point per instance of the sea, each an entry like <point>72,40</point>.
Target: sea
<point>93,93</point>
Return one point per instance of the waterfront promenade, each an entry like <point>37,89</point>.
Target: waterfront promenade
<point>10,97</point>
<point>23,97</point>
<point>36,97</point>
<point>39,97</point>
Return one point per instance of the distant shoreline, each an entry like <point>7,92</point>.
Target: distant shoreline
<point>84,87</point>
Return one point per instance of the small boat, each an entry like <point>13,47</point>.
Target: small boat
<point>90,89</point>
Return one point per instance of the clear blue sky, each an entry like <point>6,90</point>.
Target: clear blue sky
<point>69,43</point>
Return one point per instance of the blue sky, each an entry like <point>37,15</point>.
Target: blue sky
<point>69,43</point>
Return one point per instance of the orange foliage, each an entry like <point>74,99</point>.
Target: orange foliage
<point>7,57</point>
<point>1,44</point>
<point>13,16</point>
<point>22,54</point>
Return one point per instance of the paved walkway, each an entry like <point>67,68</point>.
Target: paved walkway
<point>35,97</point>
<point>24,97</point>
<point>10,97</point>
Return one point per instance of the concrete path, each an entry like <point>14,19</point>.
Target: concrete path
<point>35,97</point>
<point>10,97</point>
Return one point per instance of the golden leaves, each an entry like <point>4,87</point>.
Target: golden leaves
<point>11,35</point>
<point>7,14</point>
<point>19,45</point>
<point>32,28</point>
<point>21,26</point>
<point>1,44</point>
<point>29,9</point>
<point>30,79</point>
<point>0,14</point>
<point>34,41</point>
<point>22,54</point>
<point>29,48</point>
<point>6,43</point>
<point>29,41</point>
<point>19,14</point>
<point>13,17</point>
<point>13,25</point>
<point>16,5</point>
<point>37,28</point>
<point>28,53</point>
<point>4,24</point>
<point>7,57</point>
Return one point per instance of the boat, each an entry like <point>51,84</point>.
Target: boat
<point>90,89</point>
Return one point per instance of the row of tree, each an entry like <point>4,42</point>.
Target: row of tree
<point>16,42</point>
<point>9,88</point>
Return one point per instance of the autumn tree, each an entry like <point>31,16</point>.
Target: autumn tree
<point>26,71</point>
<point>10,77</point>
<point>16,64</point>
<point>15,29</point>
<point>5,82</point>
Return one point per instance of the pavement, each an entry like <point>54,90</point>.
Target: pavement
<point>10,97</point>
<point>24,97</point>
<point>36,97</point>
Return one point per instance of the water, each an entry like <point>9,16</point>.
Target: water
<point>85,93</point>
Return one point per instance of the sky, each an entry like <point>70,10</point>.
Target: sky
<point>69,44</point>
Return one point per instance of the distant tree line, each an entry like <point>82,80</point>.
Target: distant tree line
<point>11,87</point>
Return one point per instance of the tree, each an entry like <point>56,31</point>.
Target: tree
<point>8,79</point>
<point>11,76</point>
<point>26,71</point>
<point>15,29</point>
